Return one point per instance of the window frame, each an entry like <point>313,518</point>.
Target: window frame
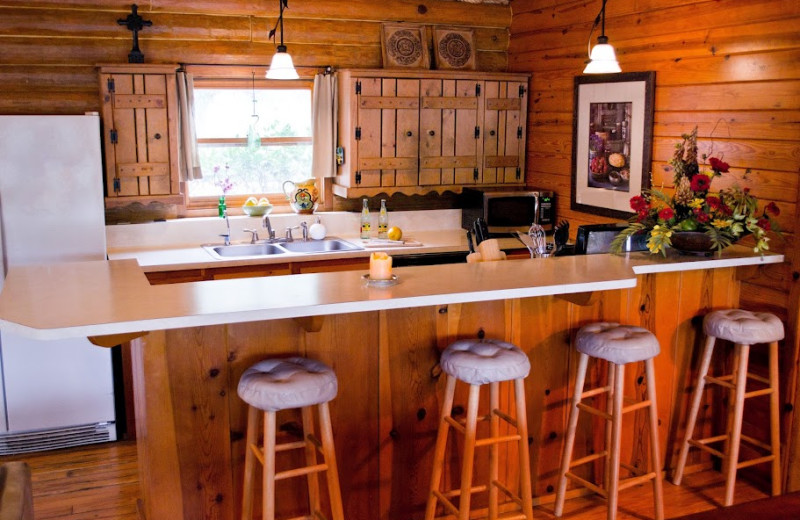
<point>246,83</point>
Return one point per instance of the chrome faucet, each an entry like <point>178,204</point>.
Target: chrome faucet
<point>289,237</point>
<point>253,235</point>
<point>304,226</point>
<point>265,223</point>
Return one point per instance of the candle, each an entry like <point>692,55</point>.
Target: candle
<point>380,266</point>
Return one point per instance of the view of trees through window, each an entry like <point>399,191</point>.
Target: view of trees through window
<point>223,118</point>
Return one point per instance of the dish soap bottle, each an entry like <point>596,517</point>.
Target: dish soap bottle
<point>383,220</point>
<point>365,225</point>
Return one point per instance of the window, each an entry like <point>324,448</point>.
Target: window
<point>223,116</point>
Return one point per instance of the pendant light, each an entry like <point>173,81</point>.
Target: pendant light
<point>281,66</point>
<point>253,139</point>
<point>602,58</point>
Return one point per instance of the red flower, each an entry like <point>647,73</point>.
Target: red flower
<point>764,224</point>
<point>773,209</point>
<point>639,204</point>
<point>700,182</point>
<point>666,214</point>
<point>702,217</point>
<point>718,166</point>
<point>713,202</point>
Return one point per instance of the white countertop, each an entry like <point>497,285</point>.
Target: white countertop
<point>114,297</point>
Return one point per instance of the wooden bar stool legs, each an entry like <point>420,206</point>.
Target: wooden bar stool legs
<point>618,345</point>
<point>294,383</point>
<point>462,361</point>
<point>752,326</point>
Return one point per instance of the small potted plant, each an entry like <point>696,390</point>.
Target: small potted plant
<point>694,219</point>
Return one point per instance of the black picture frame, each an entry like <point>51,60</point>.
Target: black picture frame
<point>612,141</point>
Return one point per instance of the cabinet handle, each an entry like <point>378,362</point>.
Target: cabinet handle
<point>431,133</point>
<point>157,136</point>
<point>409,133</point>
<point>491,132</point>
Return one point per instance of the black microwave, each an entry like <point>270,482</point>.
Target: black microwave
<point>506,211</point>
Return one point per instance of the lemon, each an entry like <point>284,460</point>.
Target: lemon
<point>394,233</point>
<point>251,201</point>
<point>263,201</point>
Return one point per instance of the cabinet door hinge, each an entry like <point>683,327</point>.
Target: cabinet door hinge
<point>477,132</point>
<point>475,174</point>
<point>117,187</point>
<point>112,136</point>
<point>477,90</point>
<point>358,177</point>
<point>519,132</point>
<point>110,85</point>
<point>358,133</point>
<point>521,91</point>
<point>358,87</point>
<point>519,173</point>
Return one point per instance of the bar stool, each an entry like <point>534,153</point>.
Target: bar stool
<point>619,345</point>
<point>280,384</point>
<point>743,329</point>
<point>478,363</point>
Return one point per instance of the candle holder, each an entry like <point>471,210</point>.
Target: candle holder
<point>387,282</point>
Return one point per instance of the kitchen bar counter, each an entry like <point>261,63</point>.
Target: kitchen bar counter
<point>104,298</point>
<point>194,340</point>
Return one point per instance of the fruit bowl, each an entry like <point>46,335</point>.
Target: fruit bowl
<point>257,211</point>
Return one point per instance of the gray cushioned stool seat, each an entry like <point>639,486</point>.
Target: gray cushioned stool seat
<point>280,384</point>
<point>744,327</point>
<point>617,343</point>
<point>479,362</point>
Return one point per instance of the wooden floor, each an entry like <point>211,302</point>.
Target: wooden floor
<point>101,482</point>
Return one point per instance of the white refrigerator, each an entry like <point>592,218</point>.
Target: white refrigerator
<point>53,394</point>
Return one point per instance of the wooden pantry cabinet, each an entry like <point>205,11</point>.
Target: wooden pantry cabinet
<point>423,131</point>
<point>140,131</point>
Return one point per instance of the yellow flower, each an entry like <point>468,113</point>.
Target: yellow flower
<point>720,223</point>
<point>696,203</point>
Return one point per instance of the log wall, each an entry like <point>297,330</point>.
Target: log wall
<point>50,48</point>
<point>727,66</point>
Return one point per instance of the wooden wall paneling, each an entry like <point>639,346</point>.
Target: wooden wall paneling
<point>350,344</point>
<point>200,407</point>
<point>156,440</point>
<point>412,387</point>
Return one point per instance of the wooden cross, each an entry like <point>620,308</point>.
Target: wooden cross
<point>135,23</point>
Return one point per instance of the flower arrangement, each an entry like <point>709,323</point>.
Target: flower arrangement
<point>724,216</point>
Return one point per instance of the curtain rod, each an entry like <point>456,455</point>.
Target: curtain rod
<point>327,69</point>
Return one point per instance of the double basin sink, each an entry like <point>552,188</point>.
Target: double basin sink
<point>330,245</point>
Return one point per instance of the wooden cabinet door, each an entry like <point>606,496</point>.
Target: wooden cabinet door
<point>140,133</point>
<point>387,127</point>
<point>449,128</point>
<point>504,132</point>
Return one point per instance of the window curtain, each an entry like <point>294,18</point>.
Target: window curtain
<point>324,114</point>
<point>188,158</point>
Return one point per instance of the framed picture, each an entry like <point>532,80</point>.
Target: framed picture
<point>454,48</point>
<point>612,141</point>
<point>404,46</point>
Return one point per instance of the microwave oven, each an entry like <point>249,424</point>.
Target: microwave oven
<point>506,211</point>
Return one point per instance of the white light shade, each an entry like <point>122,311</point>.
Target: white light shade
<point>603,60</point>
<point>281,66</point>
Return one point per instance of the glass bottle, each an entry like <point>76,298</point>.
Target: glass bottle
<point>221,207</point>
<point>365,225</point>
<point>383,220</point>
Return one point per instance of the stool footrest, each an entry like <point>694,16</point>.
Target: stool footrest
<point>474,489</point>
<point>756,393</point>
<point>638,479</point>
<point>589,458</point>
<point>595,391</point>
<point>594,411</point>
<point>585,483</point>
<point>753,462</point>
<point>455,424</point>
<point>703,445</point>
<point>297,472</point>
<point>507,418</point>
<point>721,381</point>
<point>445,502</point>
<point>755,442</point>
<point>510,494</point>
<point>496,440</point>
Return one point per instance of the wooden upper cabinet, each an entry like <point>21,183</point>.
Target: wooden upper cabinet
<point>422,131</point>
<point>140,131</point>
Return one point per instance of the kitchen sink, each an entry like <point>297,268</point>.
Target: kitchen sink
<point>320,246</point>
<point>237,250</point>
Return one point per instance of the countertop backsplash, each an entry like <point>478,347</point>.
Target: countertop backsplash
<point>207,230</point>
